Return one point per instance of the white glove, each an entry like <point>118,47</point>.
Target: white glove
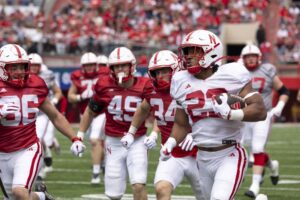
<point>77,147</point>
<point>188,143</point>
<point>54,100</point>
<point>87,94</point>
<point>127,140</point>
<point>165,151</point>
<point>222,109</point>
<point>277,110</point>
<point>150,141</point>
<point>8,108</point>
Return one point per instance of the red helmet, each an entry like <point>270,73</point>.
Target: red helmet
<point>159,60</point>
<point>251,49</point>
<point>10,56</point>
<point>89,59</point>
<point>208,42</point>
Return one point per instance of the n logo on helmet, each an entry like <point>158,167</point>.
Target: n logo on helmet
<point>212,39</point>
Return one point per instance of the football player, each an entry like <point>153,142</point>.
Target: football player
<point>44,127</point>
<point>118,96</point>
<point>264,80</point>
<point>162,66</point>
<point>298,95</point>
<point>102,63</point>
<point>215,126</point>
<point>81,90</point>
<point>22,96</point>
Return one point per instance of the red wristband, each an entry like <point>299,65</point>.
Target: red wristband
<point>76,139</point>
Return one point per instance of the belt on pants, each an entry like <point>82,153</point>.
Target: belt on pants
<point>219,148</point>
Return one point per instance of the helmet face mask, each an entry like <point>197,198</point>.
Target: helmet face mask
<point>35,68</point>
<point>199,50</point>
<point>14,65</point>
<point>17,73</point>
<point>163,64</point>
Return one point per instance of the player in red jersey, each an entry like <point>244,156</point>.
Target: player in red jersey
<point>162,66</point>
<point>81,90</point>
<point>118,96</point>
<point>22,95</point>
<point>102,63</point>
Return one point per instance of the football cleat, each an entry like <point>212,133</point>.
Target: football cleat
<point>261,197</point>
<point>95,179</point>
<point>41,187</point>
<point>253,191</point>
<point>274,172</point>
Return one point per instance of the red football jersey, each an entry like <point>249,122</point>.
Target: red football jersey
<point>82,84</point>
<point>164,108</point>
<point>18,129</point>
<point>121,103</point>
<point>103,71</point>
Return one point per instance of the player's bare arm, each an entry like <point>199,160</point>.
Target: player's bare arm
<point>72,94</point>
<point>181,125</point>
<point>59,121</point>
<point>57,93</point>
<point>281,89</point>
<point>141,114</point>
<point>86,119</point>
<point>255,109</point>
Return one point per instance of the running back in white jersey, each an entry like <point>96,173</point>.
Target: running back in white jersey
<point>195,97</point>
<point>262,81</point>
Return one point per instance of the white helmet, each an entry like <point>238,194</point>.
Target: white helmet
<point>211,45</point>
<point>251,49</point>
<point>35,59</point>
<point>122,55</point>
<point>159,60</point>
<point>13,54</point>
<point>102,60</point>
<point>89,58</point>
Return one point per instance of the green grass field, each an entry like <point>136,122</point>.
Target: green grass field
<point>71,176</point>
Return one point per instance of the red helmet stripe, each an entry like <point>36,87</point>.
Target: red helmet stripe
<point>155,58</point>
<point>118,53</point>
<point>188,36</point>
<point>18,51</point>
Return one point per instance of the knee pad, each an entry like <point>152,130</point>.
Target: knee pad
<point>260,159</point>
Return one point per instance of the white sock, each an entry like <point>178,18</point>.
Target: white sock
<point>96,169</point>
<point>256,178</point>
<point>41,195</point>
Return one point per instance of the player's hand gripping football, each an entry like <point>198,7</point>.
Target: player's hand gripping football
<point>165,151</point>
<point>188,143</point>
<point>77,147</point>
<point>8,108</point>
<point>127,140</point>
<point>222,108</point>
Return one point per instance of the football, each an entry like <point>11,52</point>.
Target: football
<point>234,101</point>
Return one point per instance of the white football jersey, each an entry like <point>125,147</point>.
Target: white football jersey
<point>195,97</point>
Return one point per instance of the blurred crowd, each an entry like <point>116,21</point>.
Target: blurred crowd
<point>100,25</point>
